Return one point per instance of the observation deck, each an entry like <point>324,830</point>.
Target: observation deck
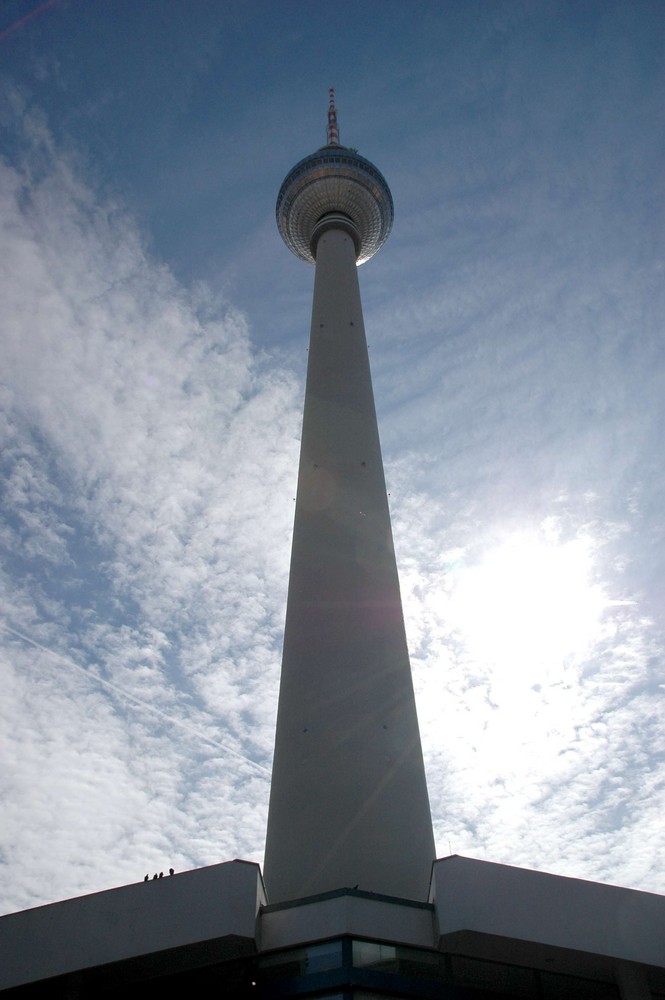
<point>334,181</point>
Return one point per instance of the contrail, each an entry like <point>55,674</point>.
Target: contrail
<point>132,697</point>
<point>28,17</point>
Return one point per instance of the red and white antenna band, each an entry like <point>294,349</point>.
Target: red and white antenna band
<point>333,129</point>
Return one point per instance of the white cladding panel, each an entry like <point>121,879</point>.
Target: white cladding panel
<point>530,906</point>
<point>133,920</point>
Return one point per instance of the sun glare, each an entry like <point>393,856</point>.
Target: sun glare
<point>529,605</point>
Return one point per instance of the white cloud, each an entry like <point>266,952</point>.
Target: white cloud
<point>542,750</point>
<point>515,320</point>
<point>150,457</point>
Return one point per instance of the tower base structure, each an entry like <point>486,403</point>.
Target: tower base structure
<point>488,931</point>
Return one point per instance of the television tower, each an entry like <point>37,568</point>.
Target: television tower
<point>348,802</point>
<point>349,821</point>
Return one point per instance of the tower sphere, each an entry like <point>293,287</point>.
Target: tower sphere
<point>334,184</point>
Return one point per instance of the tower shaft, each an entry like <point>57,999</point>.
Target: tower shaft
<point>348,802</point>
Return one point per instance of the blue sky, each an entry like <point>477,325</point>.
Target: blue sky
<point>152,356</point>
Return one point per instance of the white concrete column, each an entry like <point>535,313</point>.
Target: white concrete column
<point>348,802</point>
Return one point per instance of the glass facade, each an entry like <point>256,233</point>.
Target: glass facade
<point>363,969</point>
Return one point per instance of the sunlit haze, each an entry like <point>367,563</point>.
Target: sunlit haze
<point>528,608</point>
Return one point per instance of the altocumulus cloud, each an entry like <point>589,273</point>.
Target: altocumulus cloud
<point>523,361</point>
<point>540,694</point>
<point>148,459</point>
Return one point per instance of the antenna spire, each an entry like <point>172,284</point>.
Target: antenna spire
<point>333,130</point>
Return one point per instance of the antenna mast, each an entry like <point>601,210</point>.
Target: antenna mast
<point>333,130</point>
